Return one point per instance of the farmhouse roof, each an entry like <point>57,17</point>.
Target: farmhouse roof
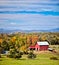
<point>43,43</point>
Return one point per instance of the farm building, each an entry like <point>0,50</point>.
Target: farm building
<point>40,46</point>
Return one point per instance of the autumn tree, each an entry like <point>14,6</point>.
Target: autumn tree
<point>5,45</point>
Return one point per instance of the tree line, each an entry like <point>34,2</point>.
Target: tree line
<point>22,41</point>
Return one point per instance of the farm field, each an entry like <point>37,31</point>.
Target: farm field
<point>43,58</point>
<point>29,32</point>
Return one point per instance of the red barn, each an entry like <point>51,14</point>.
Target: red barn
<point>40,46</point>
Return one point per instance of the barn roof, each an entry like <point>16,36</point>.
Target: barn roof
<point>43,43</point>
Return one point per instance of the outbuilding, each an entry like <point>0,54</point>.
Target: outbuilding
<point>44,45</point>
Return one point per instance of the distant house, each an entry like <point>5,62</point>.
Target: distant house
<point>40,46</point>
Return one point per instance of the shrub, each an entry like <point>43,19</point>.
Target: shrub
<point>21,53</point>
<point>15,54</point>
<point>53,58</point>
<point>25,52</point>
<point>31,55</point>
<point>11,53</point>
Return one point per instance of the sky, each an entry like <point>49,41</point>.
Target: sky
<point>29,14</point>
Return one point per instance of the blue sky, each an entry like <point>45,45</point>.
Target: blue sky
<point>29,14</point>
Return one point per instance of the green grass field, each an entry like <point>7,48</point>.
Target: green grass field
<point>42,59</point>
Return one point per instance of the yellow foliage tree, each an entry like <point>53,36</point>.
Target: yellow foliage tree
<point>1,40</point>
<point>23,48</point>
<point>13,39</point>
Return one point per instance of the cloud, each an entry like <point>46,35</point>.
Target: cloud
<point>29,14</point>
<point>29,5</point>
<point>29,21</point>
<point>13,23</point>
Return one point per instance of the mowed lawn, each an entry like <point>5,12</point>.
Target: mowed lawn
<point>42,58</point>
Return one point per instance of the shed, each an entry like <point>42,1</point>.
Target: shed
<point>32,47</point>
